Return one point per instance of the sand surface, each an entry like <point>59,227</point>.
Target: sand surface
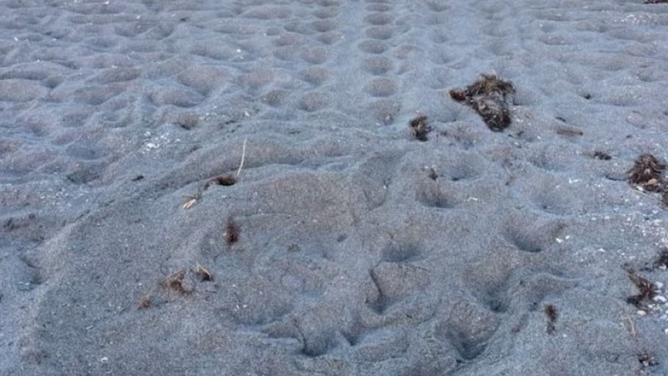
<point>346,246</point>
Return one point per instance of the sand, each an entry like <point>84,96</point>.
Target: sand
<point>346,245</point>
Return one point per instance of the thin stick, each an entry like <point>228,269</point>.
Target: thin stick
<point>632,329</point>
<point>243,156</point>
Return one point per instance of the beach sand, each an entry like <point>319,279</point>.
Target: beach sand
<point>344,245</point>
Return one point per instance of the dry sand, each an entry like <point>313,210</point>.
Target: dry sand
<point>347,246</point>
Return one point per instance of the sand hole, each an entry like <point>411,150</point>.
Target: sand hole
<point>373,46</point>
<point>434,196</point>
<point>532,234</point>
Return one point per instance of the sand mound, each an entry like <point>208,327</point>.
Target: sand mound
<point>377,227</point>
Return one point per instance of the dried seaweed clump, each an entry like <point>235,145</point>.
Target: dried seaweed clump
<point>144,302</point>
<point>489,97</point>
<point>420,127</point>
<point>662,261</point>
<point>552,315</point>
<point>646,173</point>
<point>646,288</point>
<point>175,283</point>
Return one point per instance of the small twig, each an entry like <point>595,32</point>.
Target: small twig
<point>243,156</point>
<point>632,328</point>
<point>191,200</point>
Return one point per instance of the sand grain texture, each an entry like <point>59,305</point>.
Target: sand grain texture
<point>355,249</point>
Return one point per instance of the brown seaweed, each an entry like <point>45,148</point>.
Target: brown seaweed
<point>646,290</point>
<point>489,97</point>
<point>646,173</point>
<point>420,127</point>
<point>232,232</point>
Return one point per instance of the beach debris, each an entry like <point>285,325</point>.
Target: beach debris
<point>489,97</point>
<point>175,282</point>
<point>191,200</point>
<point>552,315</point>
<point>646,360</point>
<point>656,1</point>
<point>432,174</point>
<point>646,173</point>
<point>138,178</point>
<point>647,289</point>
<point>203,273</point>
<point>420,127</point>
<point>567,131</point>
<point>145,301</point>
<point>243,157</point>
<point>632,327</point>
<point>601,155</point>
<point>225,180</point>
<point>662,261</point>
<point>232,232</point>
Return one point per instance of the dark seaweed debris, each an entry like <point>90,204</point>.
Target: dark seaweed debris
<point>646,288</point>
<point>662,260</point>
<point>432,174</point>
<point>646,173</point>
<point>489,97</point>
<point>420,127</point>
<point>602,155</point>
<point>232,232</point>
<point>552,315</point>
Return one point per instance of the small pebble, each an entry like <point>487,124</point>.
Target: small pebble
<point>658,285</point>
<point>665,330</point>
<point>659,298</point>
<point>642,312</point>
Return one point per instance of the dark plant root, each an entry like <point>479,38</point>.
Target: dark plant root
<point>420,127</point>
<point>646,173</point>
<point>646,288</point>
<point>489,97</point>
